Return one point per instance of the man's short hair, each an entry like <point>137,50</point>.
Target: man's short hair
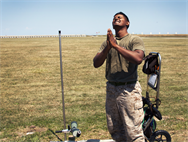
<point>124,16</point>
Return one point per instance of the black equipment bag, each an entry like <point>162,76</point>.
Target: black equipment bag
<point>151,64</point>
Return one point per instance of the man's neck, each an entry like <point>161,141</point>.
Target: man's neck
<point>121,32</point>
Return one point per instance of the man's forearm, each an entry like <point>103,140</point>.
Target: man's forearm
<point>100,57</point>
<point>135,57</point>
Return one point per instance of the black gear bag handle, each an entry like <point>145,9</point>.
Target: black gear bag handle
<point>151,64</point>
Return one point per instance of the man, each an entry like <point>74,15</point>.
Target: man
<point>124,107</point>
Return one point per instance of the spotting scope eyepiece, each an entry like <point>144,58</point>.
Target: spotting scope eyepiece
<point>74,129</point>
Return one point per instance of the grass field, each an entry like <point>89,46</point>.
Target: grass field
<point>31,87</point>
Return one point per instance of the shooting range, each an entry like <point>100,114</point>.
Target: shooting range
<point>49,88</point>
<point>35,94</point>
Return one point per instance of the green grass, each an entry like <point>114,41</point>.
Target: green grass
<point>31,87</point>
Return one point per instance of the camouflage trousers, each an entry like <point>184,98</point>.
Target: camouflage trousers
<point>124,112</point>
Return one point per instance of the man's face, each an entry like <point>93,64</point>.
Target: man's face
<point>119,21</point>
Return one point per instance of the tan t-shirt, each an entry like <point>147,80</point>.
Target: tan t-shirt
<point>118,69</point>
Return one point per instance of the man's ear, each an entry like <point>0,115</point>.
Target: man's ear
<point>128,23</point>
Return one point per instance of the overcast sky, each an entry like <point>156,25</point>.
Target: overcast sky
<point>46,17</point>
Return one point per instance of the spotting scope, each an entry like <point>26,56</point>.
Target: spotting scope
<point>73,129</point>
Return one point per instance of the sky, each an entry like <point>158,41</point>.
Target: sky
<point>91,17</point>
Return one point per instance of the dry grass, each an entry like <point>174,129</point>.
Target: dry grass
<point>31,87</point>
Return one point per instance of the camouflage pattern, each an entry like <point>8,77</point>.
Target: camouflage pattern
<point>124,112</point>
